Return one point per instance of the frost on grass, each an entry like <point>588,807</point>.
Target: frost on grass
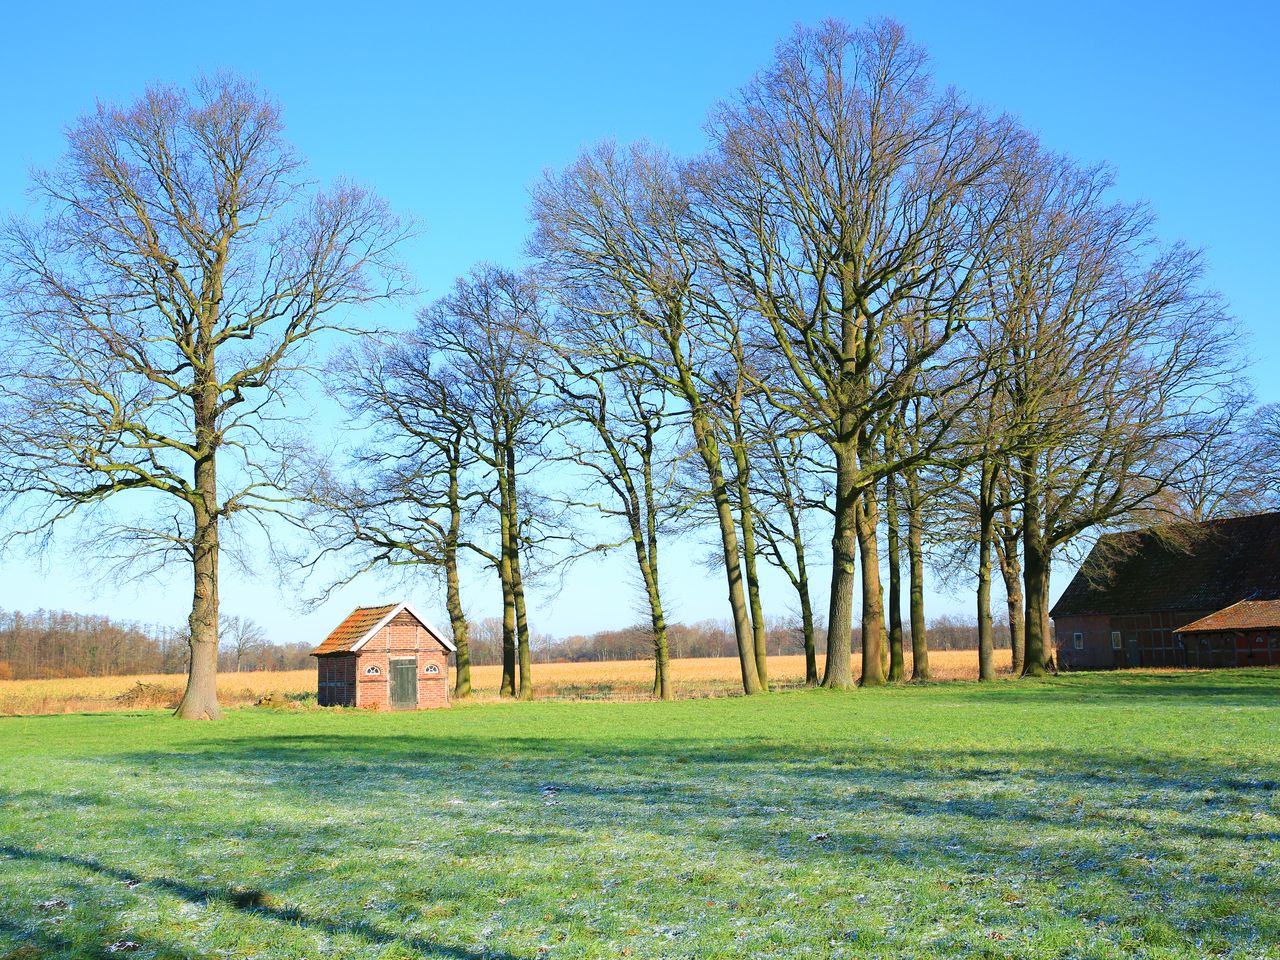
<point>922,822</point>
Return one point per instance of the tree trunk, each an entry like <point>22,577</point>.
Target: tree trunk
<point>1039,644</point>
<point>986,524</point>
<point>709,451</point>
<point>523,653</point>
<point>838,674</point>
<point>1035,577</point>
<point>1017,626</point>
<point>661,658</point>
<point>1011,573</point>
<point>200,701</point>
<point>747,520</point>
<point>897,668</point>
<point>867,518</point>
<point>1007,550</point>
<point>662,687</point>
<point>646,559</point>
<point>742,628</point>
<point>453,590</point>
<point>806,616</point>
<point>915,560</point>
<point>508,684</point>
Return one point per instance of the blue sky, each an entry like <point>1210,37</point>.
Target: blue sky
<point>452,113</point>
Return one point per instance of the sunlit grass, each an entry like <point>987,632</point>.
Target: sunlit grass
<point>1092,816</point>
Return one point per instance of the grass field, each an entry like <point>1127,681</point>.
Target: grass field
<point>1102,816</point>
<point>614,680</point>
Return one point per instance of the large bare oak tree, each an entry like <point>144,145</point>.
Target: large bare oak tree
<point>155,311</point>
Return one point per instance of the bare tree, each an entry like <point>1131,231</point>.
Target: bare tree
<point>409,496</point>
<point>848,200</point>
<point>240,637</point>
<point>1114,353</point>
<point>490,331</point>
<point>616,428</point>
<point>1231,462</point>
<point>155,312</point>
<point>614,236</point>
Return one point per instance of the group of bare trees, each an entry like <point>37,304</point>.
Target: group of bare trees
<point>870,308</point>
<point>58,643</point>
<point>870,314</point>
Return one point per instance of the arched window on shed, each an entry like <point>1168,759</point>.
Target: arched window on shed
<point>372,670</point>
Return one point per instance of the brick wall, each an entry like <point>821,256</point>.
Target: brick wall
<point>1095,638</point>
<point>402,638</point>
<point>1151,638</point>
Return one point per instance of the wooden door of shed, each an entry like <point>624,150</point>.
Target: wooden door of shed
<point>404,683</point>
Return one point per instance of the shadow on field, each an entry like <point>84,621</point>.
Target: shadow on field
<point>256,902</point>
<point>1106,833</point>
<point>1256,686</point>
<point>1052,802</point>
<point>1049,813</point>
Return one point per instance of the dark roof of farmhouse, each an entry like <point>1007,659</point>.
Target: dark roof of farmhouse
<point>1245,615</point>
<point>1187,567</point>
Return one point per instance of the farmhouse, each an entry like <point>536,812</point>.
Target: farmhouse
<point>384,656</point>
<point>1203,595</point>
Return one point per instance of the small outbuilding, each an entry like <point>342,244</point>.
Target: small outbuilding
<point>1245,634</point>
<point>385,656</point>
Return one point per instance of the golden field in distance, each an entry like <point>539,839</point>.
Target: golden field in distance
<point>609,679</point>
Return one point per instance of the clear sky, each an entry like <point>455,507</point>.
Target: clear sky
<point>452,112</point>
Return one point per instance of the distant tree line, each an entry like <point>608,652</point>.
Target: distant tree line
<point>57,643</point>
<point>704,638</point>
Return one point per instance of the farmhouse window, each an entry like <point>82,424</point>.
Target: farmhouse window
<point>372,670</point>
<point>432,668</point>
<point>1078,640</point>
<point>1115,640</point>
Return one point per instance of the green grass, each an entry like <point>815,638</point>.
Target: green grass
<point>1091,816</point>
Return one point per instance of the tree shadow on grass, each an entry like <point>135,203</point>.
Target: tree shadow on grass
<point>38,943</point>
<point>763,797</point>
<point>1163,833</point>
<point>1246,686</point>
<point>1032,790</point>
<point>256,902</point>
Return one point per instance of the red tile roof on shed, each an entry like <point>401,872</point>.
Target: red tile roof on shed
<point>353,629</point>
<point>1245,615</point>
<point>362,622</point>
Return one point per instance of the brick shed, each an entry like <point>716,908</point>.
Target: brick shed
<point>384,656</point>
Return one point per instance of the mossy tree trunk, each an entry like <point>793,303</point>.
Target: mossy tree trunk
<point>986,529</point>
<point>897,669</point>
<point>845,538</point>
<point>872,599</point>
